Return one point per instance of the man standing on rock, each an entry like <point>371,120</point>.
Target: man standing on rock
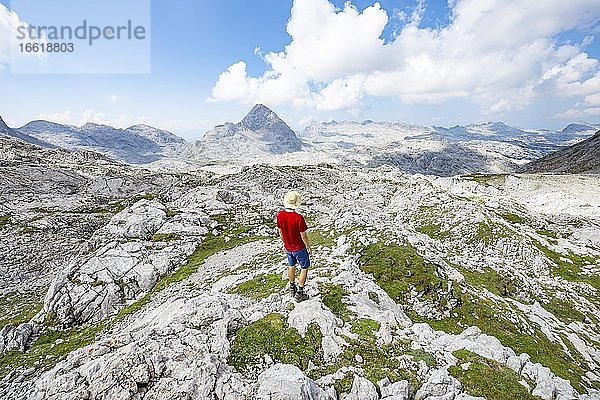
<point>292,230</point>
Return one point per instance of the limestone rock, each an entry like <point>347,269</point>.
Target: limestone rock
<point>287,382</point>
<point>362,389</point>
<point>12,338</point>
<point>313,311</point>
<point>397,391</point>
<point>439,384</point>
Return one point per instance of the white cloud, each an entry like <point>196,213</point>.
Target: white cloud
<point>501,54</point>
<point>9,23</point>
<point>125,120</point>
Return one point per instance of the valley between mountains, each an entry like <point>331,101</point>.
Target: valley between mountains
<point>448,263</point>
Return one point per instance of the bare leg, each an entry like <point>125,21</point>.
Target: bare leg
<point>303,276</point>
<point>292,274</point>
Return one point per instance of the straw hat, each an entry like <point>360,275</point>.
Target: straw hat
<point>292,200</point>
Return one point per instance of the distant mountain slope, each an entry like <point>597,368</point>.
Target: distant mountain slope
<point>260,132</point>
<point>158,136</point>
<point>583,157</point>
<point>138,144</point>
<point>6,131</point>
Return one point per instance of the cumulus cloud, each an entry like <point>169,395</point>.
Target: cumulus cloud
<point>9,22</point>
<point>502,54</point>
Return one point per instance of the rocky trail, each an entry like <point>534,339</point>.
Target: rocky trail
<point>422,288</point>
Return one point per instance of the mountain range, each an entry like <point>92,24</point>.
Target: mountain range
<point>493,147</point>
<point>582,157</point>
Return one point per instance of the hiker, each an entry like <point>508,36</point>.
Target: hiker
<point>292,230</point>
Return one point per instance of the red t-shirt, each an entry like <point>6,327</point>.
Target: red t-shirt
<point>291,225</point>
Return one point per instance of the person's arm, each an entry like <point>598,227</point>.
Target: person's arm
<point>306,241</point>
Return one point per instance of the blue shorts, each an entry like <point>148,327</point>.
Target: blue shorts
<point>301,257</point>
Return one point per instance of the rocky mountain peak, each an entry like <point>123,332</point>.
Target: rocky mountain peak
<point>262,117</point>
<point>260,132</point>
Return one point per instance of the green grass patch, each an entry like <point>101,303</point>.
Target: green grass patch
<point>271,335</point>
<point>492,281</point>
<point>210,246</point>
<point>260,286</point>
<point>564,310</point>
<point>344,385</point>
<point>173,213</point>
<point>488,379</point>
<point>365,327</point>
<point>547,233</point>
<point>320,238</point>
<point>374,297</point>
<point>486,179</point>
<point>513,218</point>
<point>568,266</point>
<point>397,269</point>
<point>165,237</point>
<point>434,231</point>
<point>428,222</point>
<point>16,309</point>
<point>491,319</point>
<point>49,349</point>
<point>332,296</point>
<point>422,355</point>
<point>4,220</point>
<point>116,207</point>
<point>378,361</point>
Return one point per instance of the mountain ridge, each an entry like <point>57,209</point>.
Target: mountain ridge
<point>582,157</point>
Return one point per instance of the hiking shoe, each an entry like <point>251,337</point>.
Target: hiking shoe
<point>301,296</point>
<point>293,289</point>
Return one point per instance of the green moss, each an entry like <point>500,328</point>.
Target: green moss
<point>4,220</point>
<point>374,297</point>
<point>547,233</point>
<point>50,348</point>
<point>434,231</point>
<point>397,269</point>
<point>18,308</point>
<point>260,286</point>
<point>365,327</point>
<point>489,379</point>
<point>513,218</point>
<point>492,281</point>
<point>568,266</point>
<point>564,310</point>
<point>344,385</point>
<point>486,179</point>
<point>320,238</point>
<point>271,335</point>
<point>493,320</point>
<point>422,355</point>
<point>332,296</point>
<point>378,361</point>
<point>165,237</point>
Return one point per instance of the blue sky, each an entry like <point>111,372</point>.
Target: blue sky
<point>420,67</point>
